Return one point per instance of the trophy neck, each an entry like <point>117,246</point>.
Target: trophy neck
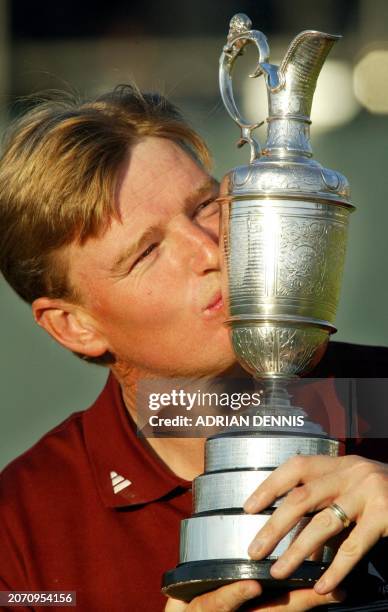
<point>288,138</point>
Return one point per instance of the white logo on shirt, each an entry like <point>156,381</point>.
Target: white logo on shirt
<point>119,482</point>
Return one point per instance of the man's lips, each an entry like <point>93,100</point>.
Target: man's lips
<point>216,303</point>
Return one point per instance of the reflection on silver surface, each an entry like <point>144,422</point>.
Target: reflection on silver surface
<point>228,537</point>
<point>225,489</point>
<point>262,452</point>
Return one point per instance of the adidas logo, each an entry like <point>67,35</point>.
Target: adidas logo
<point>119,482</point>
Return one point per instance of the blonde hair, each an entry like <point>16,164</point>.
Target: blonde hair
<point>58,175</point>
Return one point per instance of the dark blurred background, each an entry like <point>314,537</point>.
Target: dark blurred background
<point>173,46</point>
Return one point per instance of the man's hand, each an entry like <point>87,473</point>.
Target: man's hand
<point>359,486</point>
<point>231,597</point>
<point>225,599</point>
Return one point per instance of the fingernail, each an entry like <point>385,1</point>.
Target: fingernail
<point>251,589</point>
<point>255,547</point>
<point>256,502</point>
<point>320,587</point>
<point>250,505</point>
<point>279,566</point>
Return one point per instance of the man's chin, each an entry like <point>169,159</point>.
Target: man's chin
<point>193,363</point>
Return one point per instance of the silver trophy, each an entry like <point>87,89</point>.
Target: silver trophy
<point>284,233</point>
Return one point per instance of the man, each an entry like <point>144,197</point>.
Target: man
<point>109,228</point>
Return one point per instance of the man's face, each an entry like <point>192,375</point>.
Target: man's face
<point>152,282</point>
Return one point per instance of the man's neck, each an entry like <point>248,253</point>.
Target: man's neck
<point>183,456</point>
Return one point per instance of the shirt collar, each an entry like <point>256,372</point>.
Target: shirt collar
<point>126,469</point>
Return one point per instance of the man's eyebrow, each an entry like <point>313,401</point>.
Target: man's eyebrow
<point>210,185</point>
<point>133,248</point>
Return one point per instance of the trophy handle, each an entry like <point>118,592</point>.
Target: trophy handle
<point>240,35</point>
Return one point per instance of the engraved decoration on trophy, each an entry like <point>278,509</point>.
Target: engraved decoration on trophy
<point>284,221</point>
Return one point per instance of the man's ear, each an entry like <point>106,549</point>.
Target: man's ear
<point>69,325</point>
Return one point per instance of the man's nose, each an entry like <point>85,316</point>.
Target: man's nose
<point>201,247</point>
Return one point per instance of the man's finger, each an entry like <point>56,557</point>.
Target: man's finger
<point>227,598</point>
<point>297,470</point>
<point>321,528</point>
<point>361,539</point>
<point>298,503</point>
<point>301,600</point>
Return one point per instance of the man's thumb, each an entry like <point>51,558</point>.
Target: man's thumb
<point>227,598</point>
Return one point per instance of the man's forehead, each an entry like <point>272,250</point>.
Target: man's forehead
<point>164,196</point>
<point>155,166</point>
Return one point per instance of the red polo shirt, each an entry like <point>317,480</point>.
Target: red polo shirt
<point>90,508</point>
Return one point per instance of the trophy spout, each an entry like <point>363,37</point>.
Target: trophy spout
<point>289,104</point>
<point>298,74</point>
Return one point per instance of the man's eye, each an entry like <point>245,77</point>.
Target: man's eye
<point>208,207</point>
<point>145,254</point>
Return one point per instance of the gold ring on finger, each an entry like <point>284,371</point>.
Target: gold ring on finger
<point>341,514</point>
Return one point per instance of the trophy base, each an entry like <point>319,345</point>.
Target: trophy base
<point>188,580</point>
